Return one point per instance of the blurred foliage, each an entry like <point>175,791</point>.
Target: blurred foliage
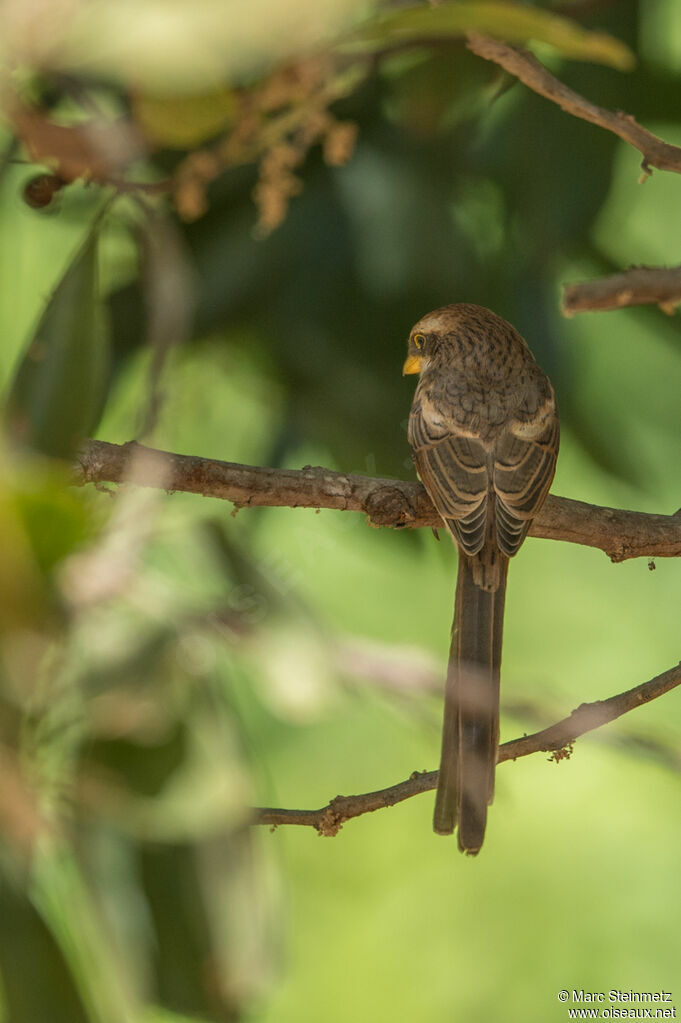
<point>219,222</point>
<point>513,23</point>
<point>67,357</point>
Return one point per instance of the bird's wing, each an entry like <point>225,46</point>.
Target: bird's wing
<point>523,471</point>
<point>455,470</point>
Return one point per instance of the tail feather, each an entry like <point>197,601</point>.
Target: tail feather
<point>470,734</point>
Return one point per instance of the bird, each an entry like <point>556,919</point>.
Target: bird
<point>484,432</point>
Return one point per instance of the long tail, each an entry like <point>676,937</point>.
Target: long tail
<point>470,734</point>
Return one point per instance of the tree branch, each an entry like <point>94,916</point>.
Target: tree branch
<point>655,151</point>
<point>557,739</point>
<point>641,285</point>
<point>387,502</point>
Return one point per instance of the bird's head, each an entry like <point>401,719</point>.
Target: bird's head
<point>447,333</point>
<point>429,336</point>
<point>416,353</point>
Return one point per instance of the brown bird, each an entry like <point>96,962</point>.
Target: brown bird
<point>484,431</point>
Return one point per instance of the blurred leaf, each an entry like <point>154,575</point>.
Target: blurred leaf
<point>182,957</point>
<point>241,899</point>
<point>57,518</point>
<point>42,521</point>
<point>37,984</point>
<point>36,248</point>
<point>441,89</point>
<point>141,770</point>
<point>186,783</point>
<point>514,23</point>
<point>61,894</point>
<point>210,906</point>
<point>178,45</point>
<point>96,149</point>
<point>180,122</point>
<point>22,595</point>
<point>59,389</point>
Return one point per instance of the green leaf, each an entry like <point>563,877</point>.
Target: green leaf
<point>181,122</point>
<point>510,22</point>
<point>36,981</point>
<point>61,894</point>
<point>36,247</point>
<point>56,519</point>
<point>59,389</point>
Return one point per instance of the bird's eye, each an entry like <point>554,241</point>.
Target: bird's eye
<point>419,340</point>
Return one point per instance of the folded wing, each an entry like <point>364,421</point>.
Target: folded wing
<point>464,479</point>
<point>523,471</point>
<point>455,470</point>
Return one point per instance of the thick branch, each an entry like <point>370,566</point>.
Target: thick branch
<point>642,285</point>
<point>655,152</point>
<point>557,739</point>
<point>387,502</point>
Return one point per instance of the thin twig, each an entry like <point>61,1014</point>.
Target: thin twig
<point>557,739</point>
<point>408,673</point>
<point>387,502</point>
<point>641,285</point>
<point>655,151</point>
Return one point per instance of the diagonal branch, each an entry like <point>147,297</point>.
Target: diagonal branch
<point>655,151</point>
<point>641,285</point>
<point>387,502</point>
<point>557,739</point>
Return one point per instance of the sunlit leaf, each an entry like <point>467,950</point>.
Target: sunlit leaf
<point>184,121</point>
<point>57,519</point>
<point>173,45</point>
<point>42,520</point>
<point>513,23</point>
<point>22,593</point>
<point>36,247</point>
<point>59,389</point>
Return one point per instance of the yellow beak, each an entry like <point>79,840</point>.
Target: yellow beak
<point>412,364</point>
